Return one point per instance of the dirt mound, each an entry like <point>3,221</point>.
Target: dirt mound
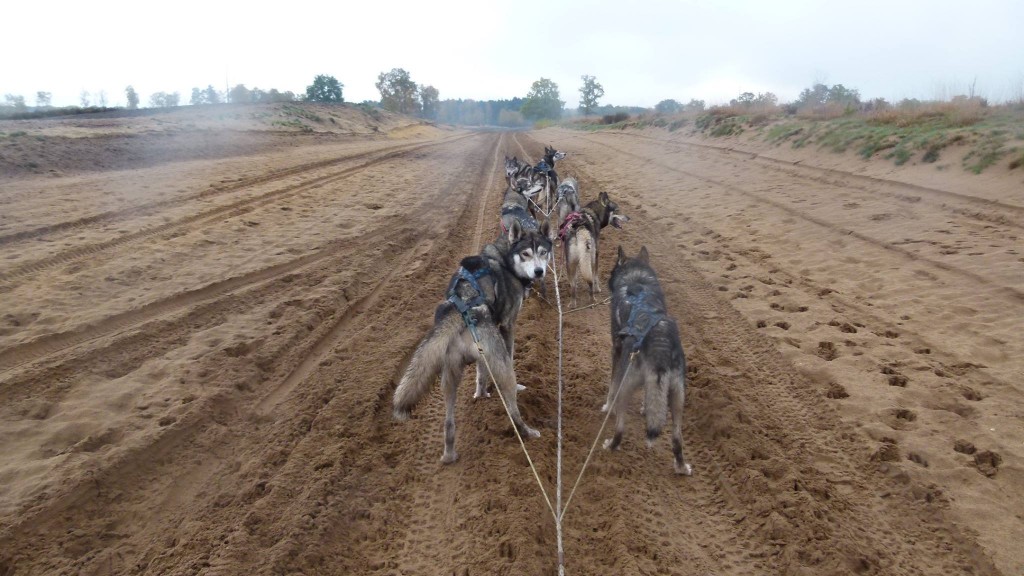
<point>135,139</point>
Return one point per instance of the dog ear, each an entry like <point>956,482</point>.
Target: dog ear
<point>515,231</point>
<point>622,257</point>
<point>644,256</point>
<point>603,197</point>
<point>545,228</point>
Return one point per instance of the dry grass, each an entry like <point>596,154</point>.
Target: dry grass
<point>954,114</point>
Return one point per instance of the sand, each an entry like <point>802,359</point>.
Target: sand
<point>197,356</point>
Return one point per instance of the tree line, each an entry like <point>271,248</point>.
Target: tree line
<point>400,94</point>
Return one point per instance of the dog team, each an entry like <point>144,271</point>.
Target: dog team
<point>486,293</point>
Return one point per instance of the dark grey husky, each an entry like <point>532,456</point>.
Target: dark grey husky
<point>641,324</point>
<point>482,302</point>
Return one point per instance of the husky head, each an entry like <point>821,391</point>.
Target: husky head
<point>529,250</point>
<point>511,166</point>
<point>643,257</point>
<point>610,212</point>
<point>551,155</point>
<point>630,270</point>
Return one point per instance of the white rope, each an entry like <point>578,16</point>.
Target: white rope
<point>601,303</point>
<point>611,405</point>
<point>515,428</point>
<point>558,468</point>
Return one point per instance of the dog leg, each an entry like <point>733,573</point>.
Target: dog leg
<point>613,384</point>
<point>505,376</point>
<point>483,383</point>
<point>627,386</point>
<point>508,334</point>
<point>450,376</point>
<point>676,401</point>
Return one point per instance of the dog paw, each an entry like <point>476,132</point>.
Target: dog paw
<point>449,457</point>
<point>609,444</point>
<point>604,407</point>
<point>481,394</point>
<point>683,469</point>
<point>400,414</point>
<point>531,433</point>
<point>520,387</point>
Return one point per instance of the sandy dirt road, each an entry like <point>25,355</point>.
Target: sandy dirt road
<point>197,379</point>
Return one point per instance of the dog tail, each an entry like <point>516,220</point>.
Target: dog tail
<point>656,404</point>
<point>425,365</point>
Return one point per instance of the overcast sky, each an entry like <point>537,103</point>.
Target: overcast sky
<point>641,52</point>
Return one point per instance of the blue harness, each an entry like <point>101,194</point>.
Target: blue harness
<point>542,166</point>
<point>463,306</point>
<point>527,222</point>
<point>643,317</point>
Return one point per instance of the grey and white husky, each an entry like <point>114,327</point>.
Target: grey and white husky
<point>567,200</point>
<point>482,302</point>
<point>641,325</point>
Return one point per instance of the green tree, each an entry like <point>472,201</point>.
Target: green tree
<point>325,89</point>
<point>42,99</point>
<point>197,97</point>
<point>398,93</point>
<point>164,99</point>
<point>133,98</point>
<point>429,98</point>
<point>669,106</point>
<point>210,95</point>
<point>542,101</point>
<point>590,93</point>
<point>17,101</point>
<point>240,95</point>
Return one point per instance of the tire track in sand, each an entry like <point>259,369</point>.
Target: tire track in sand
<point>152,207</point>
<point>220,408</point>
<point>235,208</point>
<point>1011,292</point>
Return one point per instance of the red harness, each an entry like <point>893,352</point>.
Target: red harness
<point>570,222</point>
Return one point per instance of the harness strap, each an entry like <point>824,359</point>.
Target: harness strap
<point>465,307</point>
<point>572,219</point>
<point>643,317</point>
<point>528,222</point>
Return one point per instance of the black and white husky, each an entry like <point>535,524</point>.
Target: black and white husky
<point>544,172</point>
<point>641,325</point>
<point>482,302</point>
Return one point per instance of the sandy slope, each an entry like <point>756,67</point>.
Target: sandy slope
<point>197,359</point>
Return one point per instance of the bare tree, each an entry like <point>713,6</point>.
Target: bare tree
<point>43,99</point>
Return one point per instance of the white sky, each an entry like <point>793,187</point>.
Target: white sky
<point>640,51</point>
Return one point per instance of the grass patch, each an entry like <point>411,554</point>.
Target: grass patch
<point>301,113</point>
<point>900,155</point>
<point>293,123</point>
<point>986,153</point>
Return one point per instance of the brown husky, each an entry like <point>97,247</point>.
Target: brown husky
<point>580,233</point>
